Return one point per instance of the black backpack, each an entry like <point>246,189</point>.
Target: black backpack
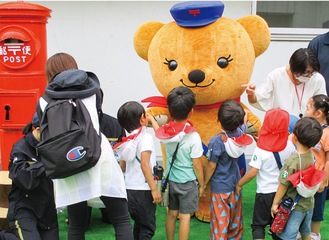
<point>69,143</point>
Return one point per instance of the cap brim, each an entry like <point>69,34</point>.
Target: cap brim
<point>162,134</point>
<point>273,143</point>
<point>171,129</point>
<point>243,140</point>
<point>195,24</point>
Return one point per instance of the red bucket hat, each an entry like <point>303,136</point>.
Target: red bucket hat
<point>273,135</point>
<point>310,177</point>
<point>172,128</point>
<point>307,182</point>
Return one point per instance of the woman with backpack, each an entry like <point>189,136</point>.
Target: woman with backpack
<point>105,180</point>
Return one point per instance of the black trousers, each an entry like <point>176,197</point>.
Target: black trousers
<point>25,227</point>
<point>142,211</point>
<point>262,214</point>
<point>118,214</point>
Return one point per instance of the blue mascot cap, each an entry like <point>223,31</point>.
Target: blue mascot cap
<point>197,13</point>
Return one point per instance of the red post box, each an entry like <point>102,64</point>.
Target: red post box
<point>23,54</point>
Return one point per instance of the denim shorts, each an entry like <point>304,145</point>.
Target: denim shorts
<point>184,196</point>
<point>297,222</point>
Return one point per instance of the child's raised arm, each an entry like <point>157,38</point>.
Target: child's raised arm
<point>152,121</point>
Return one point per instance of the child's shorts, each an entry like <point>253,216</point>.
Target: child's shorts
<point>184,196</point>
<point>297,222</point>
<point>319,204</point>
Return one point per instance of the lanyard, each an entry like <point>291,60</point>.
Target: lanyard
<point>300,99</point>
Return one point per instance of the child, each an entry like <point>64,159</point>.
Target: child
<point>32,213</point>
<point>273,137</point>
<point>186,175</point>
<point>306,134</point>
<point>318,107</point>
<point>141,188</point>
<point>223,170</point>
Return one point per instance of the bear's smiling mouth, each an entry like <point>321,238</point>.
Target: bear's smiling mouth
<point>197,84</point>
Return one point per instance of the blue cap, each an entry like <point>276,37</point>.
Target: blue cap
<point>197,13</point>
<point>35,120</point>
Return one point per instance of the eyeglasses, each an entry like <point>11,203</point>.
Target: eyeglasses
<point>308,73</point>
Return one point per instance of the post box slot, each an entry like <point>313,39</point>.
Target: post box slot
<point>7,108</point>
<point>13,40</point>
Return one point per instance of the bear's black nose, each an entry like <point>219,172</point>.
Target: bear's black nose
<point>196,76</point>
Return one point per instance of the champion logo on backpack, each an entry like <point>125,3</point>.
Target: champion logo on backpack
<point>75,154</point>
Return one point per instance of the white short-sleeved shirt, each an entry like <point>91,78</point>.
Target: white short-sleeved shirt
<point>134,177</point>
<point>267,177</point>
<point>277,90</point>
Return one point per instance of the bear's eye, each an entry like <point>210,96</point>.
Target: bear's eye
<point>172,64</point>
<point>222,62</point>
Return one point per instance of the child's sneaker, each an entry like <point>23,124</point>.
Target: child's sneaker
<point>315,237</point>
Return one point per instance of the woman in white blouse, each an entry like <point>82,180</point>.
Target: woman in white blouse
<point>289,87</point>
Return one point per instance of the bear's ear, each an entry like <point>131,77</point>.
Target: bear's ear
<point>143,37</point>
<point>258,31</point>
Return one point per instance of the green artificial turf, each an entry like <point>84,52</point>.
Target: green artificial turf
<point>199,230</point>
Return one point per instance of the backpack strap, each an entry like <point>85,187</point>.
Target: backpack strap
<point>277,159</point>
<point>164,186</point>
<point>138,160</point>
<point>38,107</point>
<point>295,202</point>
<point>46,97</point>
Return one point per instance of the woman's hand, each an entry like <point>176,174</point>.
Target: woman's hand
<point>250,90</point>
